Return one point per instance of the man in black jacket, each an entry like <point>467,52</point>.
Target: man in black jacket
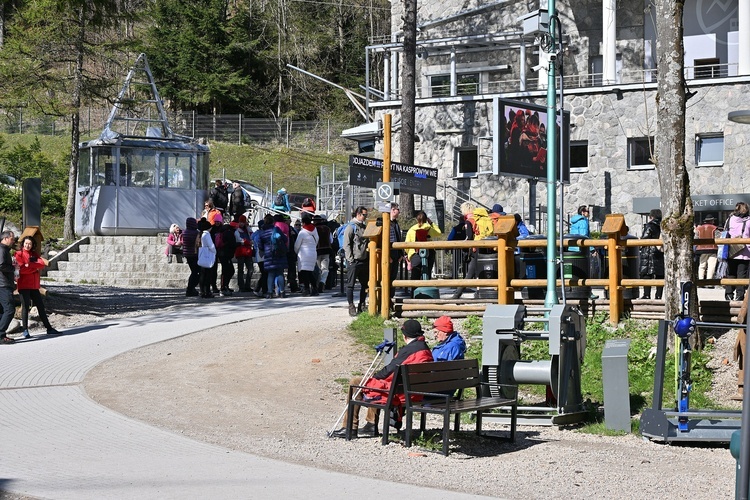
<point>237,201</point>
<point>7,284</point>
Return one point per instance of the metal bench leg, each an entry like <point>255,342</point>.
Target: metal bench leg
<point>407,428</point>
<point>513,419</point>
<point>479,422</point>
<point>446,431</point>
<point>456,422</point>
<point>386,424</point>
<point>350,418</point>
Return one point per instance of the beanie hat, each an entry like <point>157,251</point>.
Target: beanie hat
<point>444,324</point>
<point>218,219</point>
<point>242,219</point>
<point>411,328</point>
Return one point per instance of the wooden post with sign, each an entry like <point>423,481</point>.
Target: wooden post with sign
<point>385,257</point>
<point>615,229</point>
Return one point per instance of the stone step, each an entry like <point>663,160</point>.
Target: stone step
<point>161,268</point>
<point>120,257</point>
<point>135,248</point>
<point>116,279</point>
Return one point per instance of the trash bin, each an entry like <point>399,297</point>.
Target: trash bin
<point>531,263</point>
<point>487,270</point>
<point>575,265</point>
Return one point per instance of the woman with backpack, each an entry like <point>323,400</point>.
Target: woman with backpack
<point>307,255</point>
<point>275,258</point>
<point>423,230</point>
<point>206,258</point>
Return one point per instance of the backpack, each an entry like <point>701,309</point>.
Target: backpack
<point>483,227</point>
<point>422,234</point>
<point>339,236</point>
<point>278,243</point>
<point>279,201</point>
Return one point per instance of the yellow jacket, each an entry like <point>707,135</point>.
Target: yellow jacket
<point>411,235</point>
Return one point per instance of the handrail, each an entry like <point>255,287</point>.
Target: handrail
<point>615,242</point>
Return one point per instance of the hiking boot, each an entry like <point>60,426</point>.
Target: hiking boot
<point>321,286</point>
<point>305,292</point>
<point>361,308</point>
<point>341,433</point>
<point>52,331</point>
<point>191,293</point>
<point>352,310</point>
<point>369,430</point>
<point>26,334</point>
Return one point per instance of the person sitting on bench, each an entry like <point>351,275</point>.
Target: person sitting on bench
<point>451,344</point>
<point>415,351</point>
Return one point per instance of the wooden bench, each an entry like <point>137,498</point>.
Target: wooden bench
<point>441,385</point>
<point>397,387</point>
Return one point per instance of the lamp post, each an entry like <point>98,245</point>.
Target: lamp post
<point>743,116</point>
<point>552,155</point>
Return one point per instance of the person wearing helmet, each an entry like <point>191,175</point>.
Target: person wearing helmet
<point>281,202</point>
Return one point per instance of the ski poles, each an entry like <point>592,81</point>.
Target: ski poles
<point>383,348</point>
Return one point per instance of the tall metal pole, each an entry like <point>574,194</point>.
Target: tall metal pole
<point>552,153</point>
<point>385,254</point>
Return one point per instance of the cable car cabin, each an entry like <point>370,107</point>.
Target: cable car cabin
<point>139,186</point>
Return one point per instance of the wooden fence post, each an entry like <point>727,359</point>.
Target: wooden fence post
<point>614,227</point>
<point>507,234</point>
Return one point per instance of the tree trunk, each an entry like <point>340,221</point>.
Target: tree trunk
<point>674,182</point>
<point>75,131</point>
<point>408,98</point>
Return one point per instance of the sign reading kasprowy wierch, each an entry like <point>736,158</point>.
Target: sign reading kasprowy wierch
<point>367,172</point>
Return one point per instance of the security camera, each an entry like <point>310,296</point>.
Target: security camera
<point>366,135</point>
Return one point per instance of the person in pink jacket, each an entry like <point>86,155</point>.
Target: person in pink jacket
<point>29,263</point>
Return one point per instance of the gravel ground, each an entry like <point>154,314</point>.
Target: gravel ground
<point>235,393</point>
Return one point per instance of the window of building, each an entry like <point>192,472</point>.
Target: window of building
<point>579,156</point>
<point>709,150</point>
<point>466,84</point>
<point>467,162</point>
<point>640,152</point>
<point>707,68</point>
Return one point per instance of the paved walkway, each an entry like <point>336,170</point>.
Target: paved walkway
<point>57,443</point>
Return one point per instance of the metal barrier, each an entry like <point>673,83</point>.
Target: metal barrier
<point>616,243</point>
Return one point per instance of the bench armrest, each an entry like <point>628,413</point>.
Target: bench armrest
<point>433,395</point>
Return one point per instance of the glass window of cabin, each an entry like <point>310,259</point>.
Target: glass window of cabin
<point>103,167</point>
<point>201,177</point>
<point>84,168</point>
<point>639,153</point>
<point>137,167</point>
<point>175,170</point>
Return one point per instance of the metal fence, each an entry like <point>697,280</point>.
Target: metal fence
<point>234,128</point>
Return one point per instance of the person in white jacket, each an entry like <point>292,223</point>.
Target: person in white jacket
<point>206,258</point>
<point>307,255</point>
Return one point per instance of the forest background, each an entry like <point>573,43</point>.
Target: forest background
<point>207,56</point>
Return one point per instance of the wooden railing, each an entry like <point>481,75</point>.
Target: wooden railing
<point>615,242</point>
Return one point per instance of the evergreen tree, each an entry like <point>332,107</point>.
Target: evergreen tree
<point>58,54</point>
